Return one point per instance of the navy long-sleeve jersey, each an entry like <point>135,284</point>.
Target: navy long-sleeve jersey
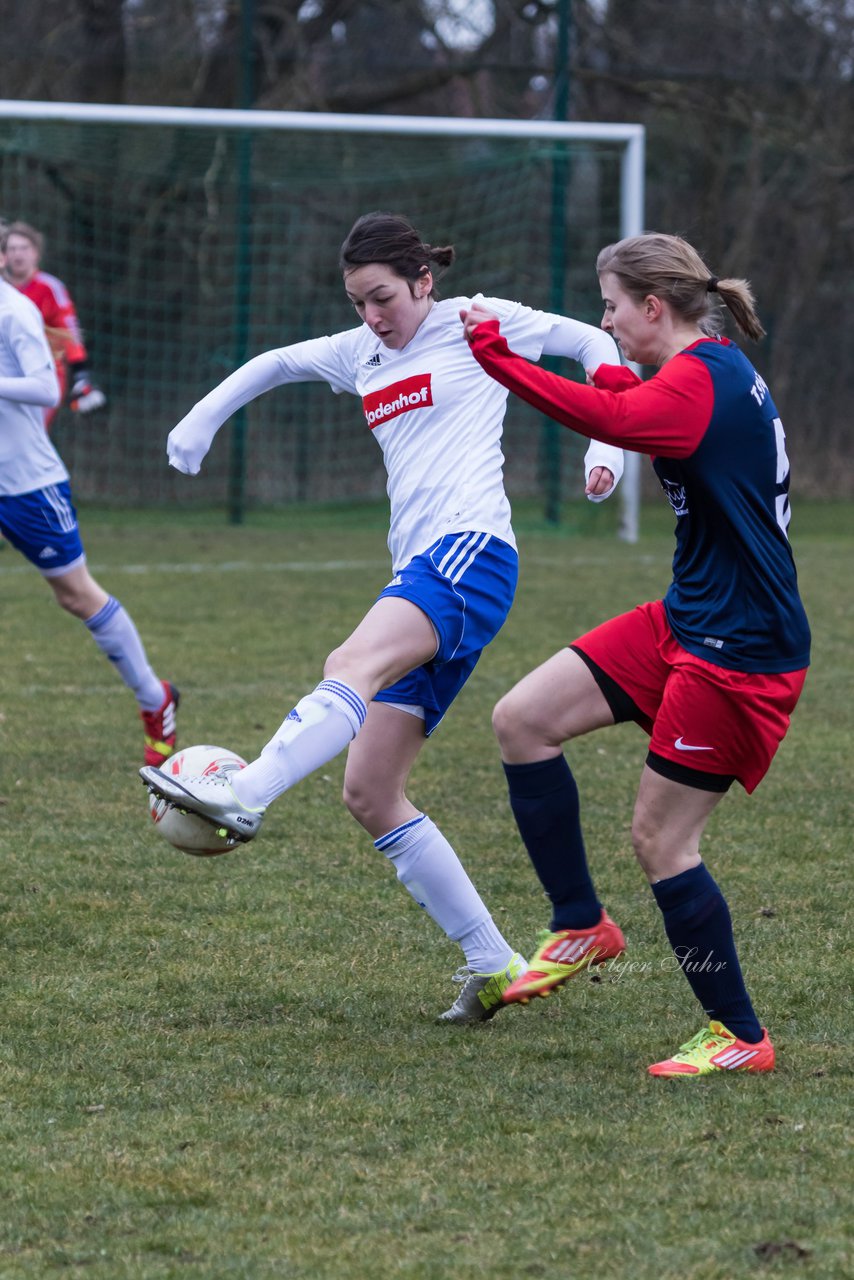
<point>708,421</point>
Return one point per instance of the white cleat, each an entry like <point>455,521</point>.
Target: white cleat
<point>211,797</point>
<point>480,998</point>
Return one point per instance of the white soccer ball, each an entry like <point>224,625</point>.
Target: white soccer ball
<point>187,831</point>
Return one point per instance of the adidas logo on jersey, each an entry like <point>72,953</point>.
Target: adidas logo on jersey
<point>48,553</point>
<point>374,362</point>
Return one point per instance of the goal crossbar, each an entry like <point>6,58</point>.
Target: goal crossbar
<point>630,137</point>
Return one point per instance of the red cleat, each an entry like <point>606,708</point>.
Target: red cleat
<point>561,955</point>
<point>161,734</point>
<point>716,1049</point>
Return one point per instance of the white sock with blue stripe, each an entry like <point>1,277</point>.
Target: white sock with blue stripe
<point>428,867</point>
<point>114,633</point>
<point>320,726</point>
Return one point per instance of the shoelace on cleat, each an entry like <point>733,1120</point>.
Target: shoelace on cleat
<point>701,1040</point>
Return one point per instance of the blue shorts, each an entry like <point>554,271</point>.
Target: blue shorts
<point>42,525</point>
<point>465,583</point>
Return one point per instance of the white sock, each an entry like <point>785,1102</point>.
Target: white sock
<point>485,948</point>
<point>430,869</point>
<point>320,726</point>
<point>115,635</point>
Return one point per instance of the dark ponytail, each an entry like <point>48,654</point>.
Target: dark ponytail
<point>392,240</point>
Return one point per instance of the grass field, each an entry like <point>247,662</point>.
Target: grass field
<point>229,1067</point>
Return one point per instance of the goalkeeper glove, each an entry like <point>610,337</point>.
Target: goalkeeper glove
<point>84,395</point>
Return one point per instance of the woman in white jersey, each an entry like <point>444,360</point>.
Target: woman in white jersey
<point>438,420</point>
<point>38,518</point>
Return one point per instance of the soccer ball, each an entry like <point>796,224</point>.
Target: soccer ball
<point>187,831</point>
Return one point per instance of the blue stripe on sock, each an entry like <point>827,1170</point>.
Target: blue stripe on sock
<point>346,694</point>
<point>394,837</point>
<point>103,615</point>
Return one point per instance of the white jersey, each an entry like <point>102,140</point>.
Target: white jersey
<point>437,418</point>
<point>432,410</point>
<point>28,460</point>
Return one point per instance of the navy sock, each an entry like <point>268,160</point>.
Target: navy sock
<point>699,928</point>
<point>544,800</point>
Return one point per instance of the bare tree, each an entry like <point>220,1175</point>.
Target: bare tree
<point>750,114</point>
<point>748,106</point>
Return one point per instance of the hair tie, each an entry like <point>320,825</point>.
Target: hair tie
<point>712,284</point>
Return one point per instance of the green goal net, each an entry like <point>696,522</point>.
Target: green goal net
<point>193,240</point>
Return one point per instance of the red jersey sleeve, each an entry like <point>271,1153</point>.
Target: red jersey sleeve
<point>60,316</point>
<point>615,377</point>
<point>666,416</point>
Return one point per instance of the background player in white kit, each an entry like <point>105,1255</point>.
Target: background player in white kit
<point>438,420</point>
<point>38,518</point>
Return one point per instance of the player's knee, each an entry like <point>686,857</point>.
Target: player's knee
<point>332,662</point>
<point>69,599</point>
<point>78,593</point>
<point>643,841</point>
<point>359,801</point>
<point>652,850</point>
<point>353,800</point>
<point>508,720</point>
<point>347,663</point>
<point>377,809</point>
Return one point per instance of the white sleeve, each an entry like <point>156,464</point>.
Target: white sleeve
<point>41,388</point>
<point>603,455</point>
<point>312,361</point>
<point>591,347</point>
<point>35,381</point>
<point>586,343</point>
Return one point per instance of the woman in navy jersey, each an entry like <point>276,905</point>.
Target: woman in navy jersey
<point>712,672</point>
<point>438,420</point>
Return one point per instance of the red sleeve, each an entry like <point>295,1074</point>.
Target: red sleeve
<point>615,377</point>
<point>60,316</point>
<point>665,416</point>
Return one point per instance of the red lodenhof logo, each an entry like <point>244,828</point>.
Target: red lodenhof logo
<point>400,397</point>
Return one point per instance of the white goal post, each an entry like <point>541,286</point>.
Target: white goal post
<point>629,137</point>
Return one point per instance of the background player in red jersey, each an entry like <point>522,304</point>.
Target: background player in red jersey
<point>24,249</point>
<point>712,672</point>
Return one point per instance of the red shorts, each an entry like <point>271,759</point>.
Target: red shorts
<point>702,718</point>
